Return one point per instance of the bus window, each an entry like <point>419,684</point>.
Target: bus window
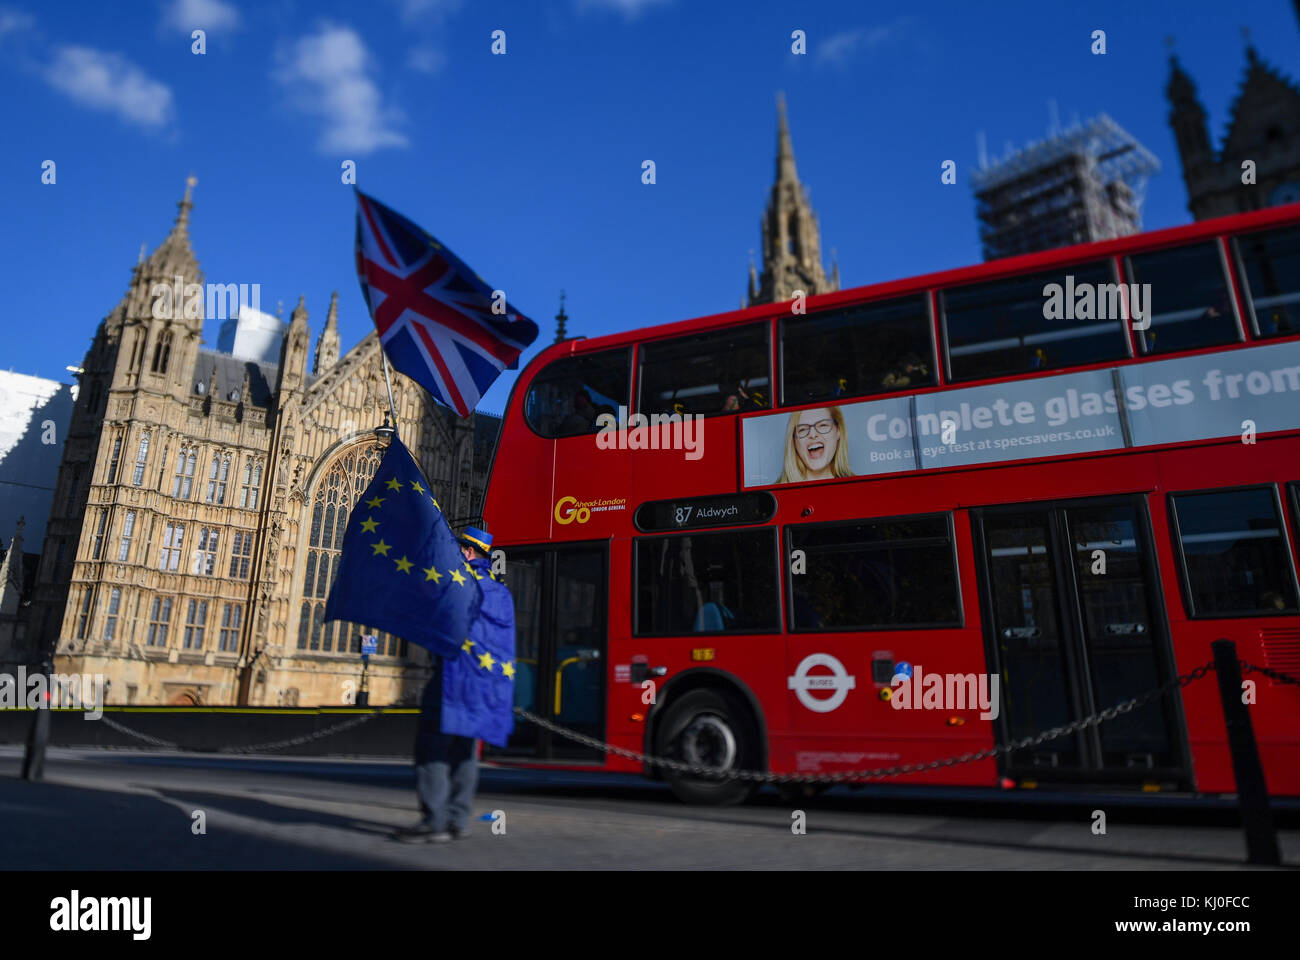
<point>875,575</point>
<point>1018,325</point>
<point>707,583</point>
<point>1270,269</point>
<point>567,397</point>
<point>1189,294</point>
<point>1232,547</point>
<point>857,351</point>
<point>721,372</point>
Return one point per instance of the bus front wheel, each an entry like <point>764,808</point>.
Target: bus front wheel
<point>708,728</point>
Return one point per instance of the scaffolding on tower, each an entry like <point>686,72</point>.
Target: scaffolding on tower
<point>1084,183</point>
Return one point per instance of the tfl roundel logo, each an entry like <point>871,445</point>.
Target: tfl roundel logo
<point>838,682</point>
<point>567,511</point>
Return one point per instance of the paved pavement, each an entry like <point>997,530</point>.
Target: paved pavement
<point>122,809</point>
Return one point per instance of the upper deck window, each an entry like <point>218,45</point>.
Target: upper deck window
<point>1022,324</point>
<point>565,399</point>
<point>1270,269</point>
<point>1190,304</point>
<point>725,371</point>
<point>857,351</point>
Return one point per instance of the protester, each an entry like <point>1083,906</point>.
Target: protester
<point>469,696</point>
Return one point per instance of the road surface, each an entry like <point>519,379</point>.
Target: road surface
<point>124,809</point>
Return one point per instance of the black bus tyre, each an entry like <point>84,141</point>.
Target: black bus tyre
<point>711,728</point>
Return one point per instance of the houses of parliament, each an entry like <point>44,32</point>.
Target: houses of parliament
<point>199,511</point>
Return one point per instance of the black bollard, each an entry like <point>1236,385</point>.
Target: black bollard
<point>38,737</point>
<point>1252,794</point>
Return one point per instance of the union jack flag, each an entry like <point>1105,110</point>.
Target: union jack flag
<point>434,314</point>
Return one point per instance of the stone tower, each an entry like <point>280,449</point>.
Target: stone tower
<point>792,258</point>
<point>138,364</point>
<point>202,497</point>
<point>1263,128</point>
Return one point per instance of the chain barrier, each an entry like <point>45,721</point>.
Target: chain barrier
<point>253,748</point>
<point>713,773</point>
<point>878,773</point>
<point>1271,674</point>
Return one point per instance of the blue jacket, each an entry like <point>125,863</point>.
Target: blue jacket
<point>477,689</point>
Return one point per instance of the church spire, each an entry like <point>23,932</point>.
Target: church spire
<point>792,259</point>
<point>785,168</point>
<point>327,344</point>
<point>561,318</point>
<point>11,572</point>
<point>174,257</point>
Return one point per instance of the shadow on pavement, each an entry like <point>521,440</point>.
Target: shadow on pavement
<point>52,826</point>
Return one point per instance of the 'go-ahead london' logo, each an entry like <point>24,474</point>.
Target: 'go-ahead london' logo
<point>565,512</point>
<point>839,681</point>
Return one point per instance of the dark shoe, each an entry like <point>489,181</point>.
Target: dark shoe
<point>459,834</point>
<point>420,833</point>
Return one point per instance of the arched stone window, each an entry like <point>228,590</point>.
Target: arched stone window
<point>162,352</point>
<point>337,492</point>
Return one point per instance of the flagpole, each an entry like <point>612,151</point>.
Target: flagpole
<point>392,409</point>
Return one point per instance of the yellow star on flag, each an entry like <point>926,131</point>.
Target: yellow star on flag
<point>477,575</point>
<point>458,577</point>
<point>431,573</point>
<point>380,547</point>
<point>435,502</point>
<point>485,660</point>
<point>467,644</point>
<point>508,669</point>
<point>415,485</point>
<point>374,502</point>
<point>404,565</point>
<point>394,484</point>
<point>369,524</point>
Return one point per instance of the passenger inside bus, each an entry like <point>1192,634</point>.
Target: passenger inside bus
<point>741,400</point>
<point>582,416</point>
<point>910,370</point>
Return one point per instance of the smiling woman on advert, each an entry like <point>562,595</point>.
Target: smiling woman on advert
<point>816,447</point>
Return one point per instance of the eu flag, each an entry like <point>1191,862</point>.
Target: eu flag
<point>402,570</point>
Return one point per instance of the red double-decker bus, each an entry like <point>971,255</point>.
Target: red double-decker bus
<point>1032,489</point>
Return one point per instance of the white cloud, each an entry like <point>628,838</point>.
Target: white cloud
<point>11,21</point>
<point>840,48</point>
<point>186,16</point>
<point>434,10</point>
<point>327,74</point>
<point>629,8</point>
<point>426,59</point>
<point>110,82</point>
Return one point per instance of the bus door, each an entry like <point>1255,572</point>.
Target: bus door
<point>560,647</point>
<point>1074,624</point>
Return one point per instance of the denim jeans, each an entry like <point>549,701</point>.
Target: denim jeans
<point>446,776</point>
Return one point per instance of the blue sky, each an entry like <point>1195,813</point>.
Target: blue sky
<point>529,165</point>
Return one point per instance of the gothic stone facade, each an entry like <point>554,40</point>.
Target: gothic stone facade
<point>1263,128</point>
<point>201,502</point>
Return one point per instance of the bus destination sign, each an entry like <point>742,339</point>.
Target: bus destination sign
<point>727,510</point>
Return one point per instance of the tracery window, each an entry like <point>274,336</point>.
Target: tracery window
<point>337,492</point>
